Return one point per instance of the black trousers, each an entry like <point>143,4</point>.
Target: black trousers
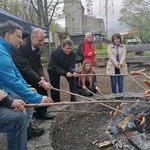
<point>55,82</point>
<point>41,91</point>
<point>85,92</point>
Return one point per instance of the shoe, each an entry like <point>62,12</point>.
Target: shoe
<point>73,99</point>
<point>44,116</point>
<point>34,132</point>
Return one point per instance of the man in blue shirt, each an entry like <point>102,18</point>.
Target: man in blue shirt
<point>11,80</point>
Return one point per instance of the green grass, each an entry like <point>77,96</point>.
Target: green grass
<point>146,53</point>
<point>103,50</point>
<point>75,46</point>
<point>131,54</point>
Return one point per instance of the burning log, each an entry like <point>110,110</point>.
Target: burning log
<point>123,124</point>
<point>106,143</point>
<point>137,72</point>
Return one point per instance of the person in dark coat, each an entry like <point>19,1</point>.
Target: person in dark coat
<point>62,63</point>
<point>86,83</point>
<point>27,60</point>
<point>13,122</point>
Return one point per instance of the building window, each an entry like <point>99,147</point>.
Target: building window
<point>74,29</point>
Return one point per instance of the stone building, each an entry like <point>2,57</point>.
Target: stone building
<point>79,23</point>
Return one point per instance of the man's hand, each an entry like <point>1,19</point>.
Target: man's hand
<point>2,95</point>
<point>69,74</point>
<point>18,104</point>
<point>95,53</point>
<point>45,85</point>
<point>33,89</point>
<point>75,74</point>
<point>46,99</point>
<point>90,54</point>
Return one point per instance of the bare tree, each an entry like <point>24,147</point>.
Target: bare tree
<point>47,10</point>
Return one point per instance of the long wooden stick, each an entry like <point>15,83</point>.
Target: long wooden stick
<point>145,75</point>
<point>134,80</point>
<point>105,105</point>
<point>74,103</point>
<point>79,111</point>
<point>82,102</point>
<point>98,74</point>
<point>96,94</point>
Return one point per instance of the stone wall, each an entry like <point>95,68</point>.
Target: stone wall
<point>79,23</point>
<point>93,25</point>
<point>74,14</point>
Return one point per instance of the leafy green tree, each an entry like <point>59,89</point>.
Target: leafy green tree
<point>136,14</point>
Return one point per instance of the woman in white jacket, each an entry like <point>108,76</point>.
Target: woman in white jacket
<point>116,63</point>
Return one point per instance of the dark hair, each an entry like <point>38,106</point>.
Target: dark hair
<point>118,36</point>
<point>9,27</point>
<point>67,42</point>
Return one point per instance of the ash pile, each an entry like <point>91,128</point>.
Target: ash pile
<point>131,129</point>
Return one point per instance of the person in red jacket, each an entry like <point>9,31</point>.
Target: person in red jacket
<point>88,48</point>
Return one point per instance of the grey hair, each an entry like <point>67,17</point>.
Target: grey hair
<point>9,27</point>
<point>87,34</point>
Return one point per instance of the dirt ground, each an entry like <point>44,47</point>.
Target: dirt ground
<point>84,131</point>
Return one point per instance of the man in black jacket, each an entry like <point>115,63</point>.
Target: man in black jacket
<point>13,122</point>
<point>62,62</point>
<point>27,60</point>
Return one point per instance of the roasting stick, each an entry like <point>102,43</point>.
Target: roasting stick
<point>134,80</point>
<point>82,102</point>
<point>102,94</point>
<point>96,94</point>
<point>92,101</point>
<point>99,103</point>
<point>114,108</point>
<point>145,75</point>
<point>79,111</point>
<point>98,74</point>
<point>137,72</point>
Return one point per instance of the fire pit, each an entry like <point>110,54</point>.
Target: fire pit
<point>129,133</point>
<point>87,130</point>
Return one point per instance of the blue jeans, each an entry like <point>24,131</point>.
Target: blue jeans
<point>114,81</point>
<point>28,110</point>
<point>14,123</point>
